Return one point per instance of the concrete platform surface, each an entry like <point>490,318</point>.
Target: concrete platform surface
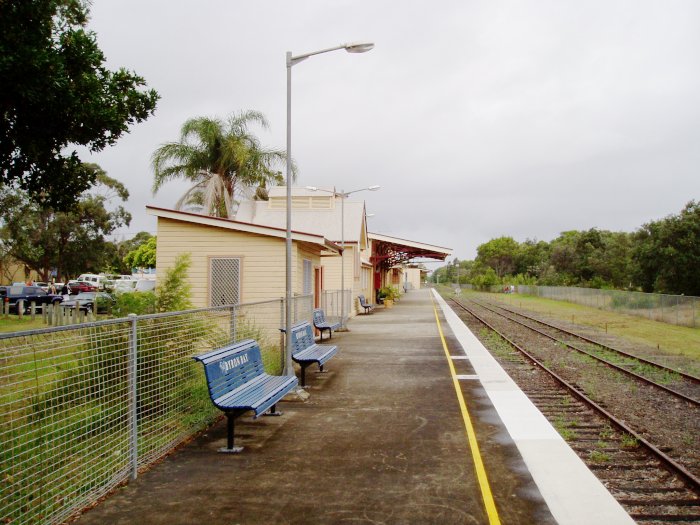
<point>380,440</point>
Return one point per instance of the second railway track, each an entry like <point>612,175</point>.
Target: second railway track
<point>641,441</point>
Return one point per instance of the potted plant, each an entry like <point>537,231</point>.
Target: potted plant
<point>387,294</point>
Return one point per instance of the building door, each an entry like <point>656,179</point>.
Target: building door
<point>318,286</point>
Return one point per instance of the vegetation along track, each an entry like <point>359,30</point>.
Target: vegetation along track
<point>640,441</point>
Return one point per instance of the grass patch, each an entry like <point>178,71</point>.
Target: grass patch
<point>498,346</point>
<point>629,441</point>
<point>565,427</point>
<point>597,456</point>
<point>13,323</point>
<point>671,339</point>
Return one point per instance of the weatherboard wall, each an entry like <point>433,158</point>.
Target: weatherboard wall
<point>262,259</point>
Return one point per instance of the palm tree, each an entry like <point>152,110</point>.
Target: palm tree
<point>221,159</point>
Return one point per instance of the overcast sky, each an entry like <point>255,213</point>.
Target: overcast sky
<point>478,118</point>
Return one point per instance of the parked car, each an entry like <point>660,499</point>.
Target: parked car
<point>44,286</point>
<point>98,281</point>
<point>77,287</point>
<point>119,283</point>
<point>124,285</point>
<point>145,285</point>
<point>90,302</point>
<point>13,294</point>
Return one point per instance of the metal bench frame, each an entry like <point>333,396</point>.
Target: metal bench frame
<point>306,352</point>
<point>238,383</point>
<point>364,304</point>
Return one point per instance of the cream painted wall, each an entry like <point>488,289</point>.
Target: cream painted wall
<point>413,277</point>
<point>353,278</point>
<point>262,259</point>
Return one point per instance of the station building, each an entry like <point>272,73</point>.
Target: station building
<point>332,249</point>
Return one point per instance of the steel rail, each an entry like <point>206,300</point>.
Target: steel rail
<point>679,469</point>
<point>684,375</point>
<point>612,365</point>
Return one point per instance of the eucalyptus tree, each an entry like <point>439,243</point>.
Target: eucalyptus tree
<point>220,159</point>
<point>71,241</point>
<point>57,94</point>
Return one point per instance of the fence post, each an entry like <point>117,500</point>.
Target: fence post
<point>133,369</point>
<point>282,334</point>
<point>233,323</point>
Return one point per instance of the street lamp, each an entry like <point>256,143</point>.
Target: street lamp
<point>343,195</point>
<point>355,47</point>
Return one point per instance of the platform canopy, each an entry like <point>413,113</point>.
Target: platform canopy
<point>391,251</point>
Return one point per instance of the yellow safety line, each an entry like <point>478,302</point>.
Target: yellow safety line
<point>486,494</point>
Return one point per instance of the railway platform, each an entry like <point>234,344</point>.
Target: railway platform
<point>412,423</point>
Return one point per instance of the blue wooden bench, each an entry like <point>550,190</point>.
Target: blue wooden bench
<point>321,324</point>
<point>364,304</point>
<point>306,352</point>
<point>238,383</point>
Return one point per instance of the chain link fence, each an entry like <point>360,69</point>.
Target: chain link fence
<point>673,309</point>
<point>84,408</point>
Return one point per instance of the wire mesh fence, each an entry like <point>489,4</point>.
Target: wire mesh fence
<point>673,309</point>
<point>332,304</point>
<point>85,407</point>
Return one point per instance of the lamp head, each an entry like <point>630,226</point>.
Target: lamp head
<point>373,188</point>
<point>312,188</point>
<point>358,47</point>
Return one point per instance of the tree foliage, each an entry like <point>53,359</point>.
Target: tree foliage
<point>56,93</point>
<point>71,241</point>
<point>220,159</point>
<point>662,256</point>
<point>143,256</point>
<point>667,253</point>
<point>116,252</point>
<point>499,254</point>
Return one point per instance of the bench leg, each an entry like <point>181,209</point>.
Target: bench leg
<point>320,369</point>
<point>303,374</point>
<point>230,449</point>
<point>273,411</point>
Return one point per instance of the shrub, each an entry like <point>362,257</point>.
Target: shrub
<point>138,303</point>
<point>388,292</point>
<point>633,301</point>
<point>173,293</point>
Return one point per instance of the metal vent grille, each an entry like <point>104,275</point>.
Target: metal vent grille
<point>225,279</point>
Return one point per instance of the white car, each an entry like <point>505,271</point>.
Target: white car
<point>98,281</point>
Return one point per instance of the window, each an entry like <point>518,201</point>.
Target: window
<point>224,281</point>
<point>308,284</point>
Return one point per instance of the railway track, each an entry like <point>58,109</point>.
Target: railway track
<point>652,486</point>
<point>684,386</point>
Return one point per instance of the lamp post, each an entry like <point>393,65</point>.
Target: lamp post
<point>355,47</point>
<point>343,195</point>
